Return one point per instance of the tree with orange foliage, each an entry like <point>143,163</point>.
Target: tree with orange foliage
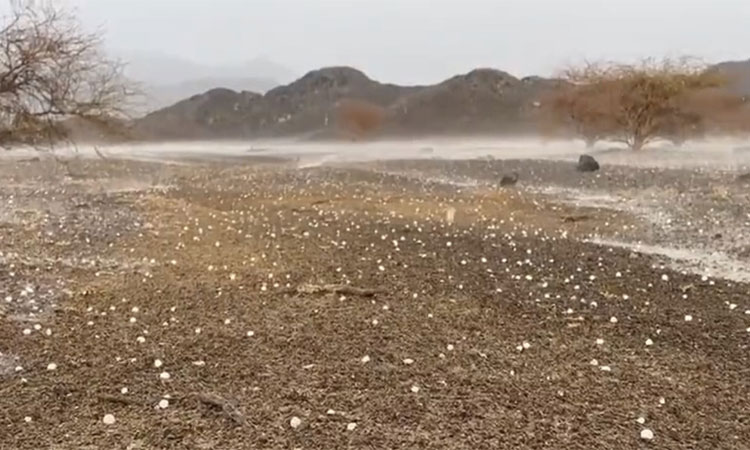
<point>635,103</point>
<point>359,118</point>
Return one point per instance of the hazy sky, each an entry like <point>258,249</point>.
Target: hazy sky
<point>419,41</point>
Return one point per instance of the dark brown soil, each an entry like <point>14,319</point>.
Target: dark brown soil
<point>481,334</point>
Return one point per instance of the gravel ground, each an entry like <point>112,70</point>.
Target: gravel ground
<point>248,304</point>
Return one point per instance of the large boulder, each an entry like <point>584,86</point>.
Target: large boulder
<point>587,163</point>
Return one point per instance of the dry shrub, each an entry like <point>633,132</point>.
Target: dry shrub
<point>638,103</point>
<point>359,118</point>
<point>51,71</point>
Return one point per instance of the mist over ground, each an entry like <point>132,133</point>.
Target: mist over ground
<point>728,153</point>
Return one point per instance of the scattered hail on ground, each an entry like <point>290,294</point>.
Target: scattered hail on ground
<point>246,302</point>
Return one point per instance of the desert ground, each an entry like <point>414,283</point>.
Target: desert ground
<point>382,298</point>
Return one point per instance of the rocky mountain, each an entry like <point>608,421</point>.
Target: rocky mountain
<point>156,97</point>
<point>737,74</point>
<point>215,114</point>
<point>482,101</point>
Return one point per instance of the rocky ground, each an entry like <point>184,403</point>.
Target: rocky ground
<point>252,304</point>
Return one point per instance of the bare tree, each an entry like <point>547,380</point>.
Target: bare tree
<point>52,71</point>
<point>636,103</point>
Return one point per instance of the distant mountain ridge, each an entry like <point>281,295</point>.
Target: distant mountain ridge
<point>482,101</point>
<point>475,102</point>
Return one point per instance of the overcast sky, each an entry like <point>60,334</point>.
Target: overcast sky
<point>420,41</point>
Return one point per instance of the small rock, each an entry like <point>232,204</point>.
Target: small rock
<point>509,180</point>
<point>587,163</point>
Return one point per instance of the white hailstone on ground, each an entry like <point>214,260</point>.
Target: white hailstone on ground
<point>649,342</point>
<point>450,347</point>
<point>688,318</point>
<point>618,275</point>
<point>52,366</point>
<point>665,277</point>
<point>441,356</point>
<point>647,434</point>
<point>415,389</point>
<point>108,419</point>
<point>365,359</point>
<point>158,363</point>
<point>525,345</point>
<point>48,332</point>
<point>232,276</point>
<point>199,363</point>
<point>124,391</point>
<point>37,327</point>
<point>165,375</point>
<point>27,419</point>
<point>600,341</point>
<point>295,422</point>
<point>227,321</point>
<point>331,412</point>
<point>140,339</point>
<point>662,401</point>
<point>594,362</point>
<point>198,330</point>
<point>641,420</point>
<point>133,320</point>
<point>26,332</point>
<point>408,361</point>
<point>250,333</point>
<point>163,403</point>
<point>732,307</point>
<point>135,310</point>
<point>375,321</point>
<point>351,426</point>
<point>605,369</point>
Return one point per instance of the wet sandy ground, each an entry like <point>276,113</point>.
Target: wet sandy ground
<point>251,303</point>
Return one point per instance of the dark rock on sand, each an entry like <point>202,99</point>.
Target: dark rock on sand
<point>509,180</point>
<point>587,163</point>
